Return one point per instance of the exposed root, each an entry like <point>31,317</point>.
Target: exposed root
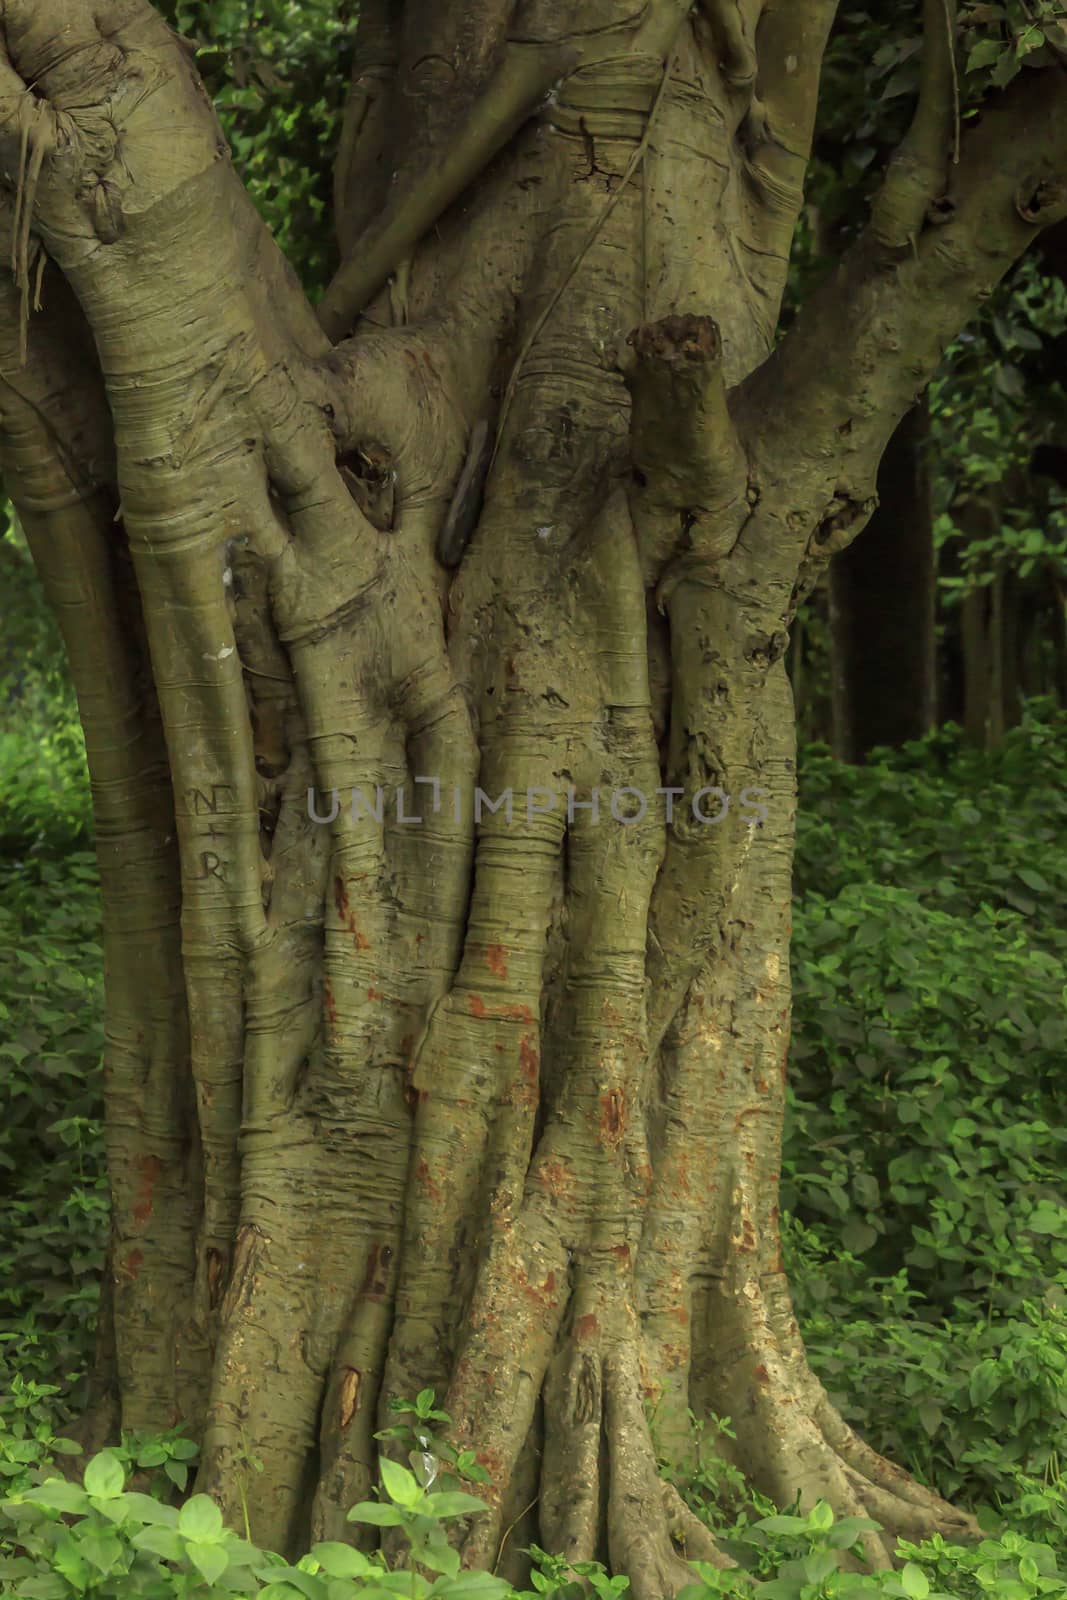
<point>792,1440</point>
<point>570,1486</point>
<point>688,1533</point>
<point>642,1521</point>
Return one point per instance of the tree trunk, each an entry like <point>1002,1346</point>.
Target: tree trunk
<point>427,1093</point>
<point>883,593</point>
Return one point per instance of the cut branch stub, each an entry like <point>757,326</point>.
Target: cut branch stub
<point>690,472</point>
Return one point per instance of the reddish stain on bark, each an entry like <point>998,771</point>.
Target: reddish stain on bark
<point>517,1013</point>
<point>346,914</point>
<point>621,1251</point>
<point>328,1003</point>
<point>149,1168</point>
<point>134,1261</point>
<point>529,1059</point>
<point>612,1116</point>
<point>550,1283</point>
<point>555,1177</point>
<point>496,959</point>
<point>681,1316</point>
<point>375,994</point>
<point>425,1177</point>
<point>476,1005</point>
<point>586,1326</point>
<point>761,1374</point>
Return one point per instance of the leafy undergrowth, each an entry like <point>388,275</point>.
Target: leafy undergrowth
<point>44,788</point>
<point>925,1226</point>
<point>60,1539</point>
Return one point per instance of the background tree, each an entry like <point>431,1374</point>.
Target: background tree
<point>495,1109</point>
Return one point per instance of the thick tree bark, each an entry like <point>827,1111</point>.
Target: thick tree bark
<point>883,592</point>
<point>491,1105</point>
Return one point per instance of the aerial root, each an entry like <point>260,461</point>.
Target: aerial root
<point>648,1525</point>
<point>570,1505</point>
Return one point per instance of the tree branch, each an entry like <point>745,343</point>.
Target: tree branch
<point>918,170</point>
<point>523,78</point>
<point>356,183</point>
<point>820,422</point>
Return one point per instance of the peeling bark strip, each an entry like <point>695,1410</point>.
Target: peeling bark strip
<point>426,1098</point>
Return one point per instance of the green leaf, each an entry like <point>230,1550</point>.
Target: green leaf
<point>378,1516</point>
<point>453,1503</point>
<point>984,53</point>
<point>104,1476</point>
<point>101,1550</point>
<point>163,1542</point>
<point>857,1237</point>
<point>210,1560</point>
<point>58,1495</point>
<point>819,1565</point>
<point>472,1586</point>
<point>200,1518</point>
<point>782,1525</point>
<point>400,1485</point>
<point>145,1508</point>
<point>914,1582</point>
<point>67,1559</point>
<point>438,1557</point>
<point>292,1582</point>
<point>984,1382</point>
<point>821,1516</point>
<point>342,1561</point>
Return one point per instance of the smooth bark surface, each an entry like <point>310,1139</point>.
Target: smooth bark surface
<point>491,1104</point>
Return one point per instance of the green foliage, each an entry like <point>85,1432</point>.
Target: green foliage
<point>427,1449</point>
<point>804,1553</point>
<point>101,1538</point>
<point>924,1123</point>
<point>998,393</point>
<point>52,1188</point>
<point>59,1539</point>
<point>44,785</point>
